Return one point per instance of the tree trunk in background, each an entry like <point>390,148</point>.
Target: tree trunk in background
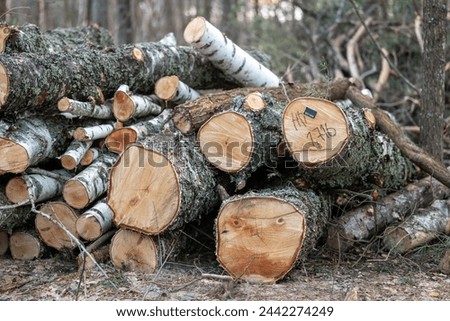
<point>433,95</point>
<point>98,12</point>
<point>124,22</point>
<point>3,9</point>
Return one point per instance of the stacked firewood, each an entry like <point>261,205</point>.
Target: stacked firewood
<point>110,151</point>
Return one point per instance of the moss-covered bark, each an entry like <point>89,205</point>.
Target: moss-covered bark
<point>29,38</point>
<point>12,216</point>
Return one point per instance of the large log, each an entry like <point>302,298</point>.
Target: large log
<point>418,229</point>
<point>261,236</point>
<point>29,38</point>
<point>29,141</point>
<point>227,56</point>
<point>120,138</point>
<point>33,81</point>
<point>161,183</point>
<point>50,232</point>
<point>362,223</point>
<point>337,146</point>
<point>26,245</point>
<point>90,184</point>
<point>190,116</point>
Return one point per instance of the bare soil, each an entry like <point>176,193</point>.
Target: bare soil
<point>360,275</point>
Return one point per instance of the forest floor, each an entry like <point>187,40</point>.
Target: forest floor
<point>361,275</point>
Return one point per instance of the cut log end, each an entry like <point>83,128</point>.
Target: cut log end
<point>64,104</point>
<point>226,140</point>
<point>397,239</point>
<point>24,246</point>
<point>315,130</point>
<point>14,158</point>
<point>137,54</point>
<point>254,102</point>
<point>4,85</point>
<point>88,227</point>
<point>182,123</point>
<point>5,33</point>
<point>259,238</point>
<point>49,232</point>
<point>89,156</point>
<point>195,30</point>
<point>119,139</point>
<point>80,134</point>
<point>154,202</point>
<point>16,190</point>
<point>75,194</point>
<point>68,162</point>
<point>133,251</point>
<point>123,106</point>
<point>166,87</point>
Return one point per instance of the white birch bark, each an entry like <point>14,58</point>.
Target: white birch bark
<point>93,132</point>
<point>95,221</point>
<point>74,153</point>
<point>227,56</point>
<point>91,155</point>
<point>152,126</point>
<point>172,89</point>
<point>128,105</point>
<point>74,108</point>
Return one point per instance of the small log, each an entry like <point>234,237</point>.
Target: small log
<point>119,139</point>
<point>26,245</point>
<point>91,155</point>
<point>419,228</point>
<point>91,183</point>
<point>161,183</point>
<point>35,81</point>
<point>227,56</point>
<point>323,138</point>
<point>92,133</point>
<point>128,105</point>
<point>29,141</point>
<point>96,221</point>
<point>133,251</point>
<point>13,216</point>
<point>29,38</point>
<point>50,232</point>
<point>241,140</point>
<point>190,116</point>
<point>42,187</point>
<point>4,242</point>
<point>74,154</point>
<point>75,108</point>
<point>261,236</point>
<point>362,223</point>
<point>171,89</point>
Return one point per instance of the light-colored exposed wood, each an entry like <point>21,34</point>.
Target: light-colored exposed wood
<point>49,232</point>
<point>16,190</point>
<point>226,140</point>
<point>25,246</point>
<point>254,102</point>
<point>76,108</point>
<point>170,88</point>
<point>258,239</point>
<point>5,32</point>
<point>128,105</point>
<point>315,130</point>
<point>15,160</point>
<point>134,251</point>
<point>93,132</point>
<point>90,155</point>
<point>95,221</point>
<point>74,153</point>
<point>4,242</point>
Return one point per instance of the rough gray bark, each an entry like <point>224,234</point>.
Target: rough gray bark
<point>161,183</point>
<point>33,81</point>
<point>29,38</point>
<point>302,216</point>
<point>362,223</point>
<point>11,215</point>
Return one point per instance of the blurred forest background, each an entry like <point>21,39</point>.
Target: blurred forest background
<point>306,40</point>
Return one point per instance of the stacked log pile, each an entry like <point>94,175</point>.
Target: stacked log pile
<point>114,150</point>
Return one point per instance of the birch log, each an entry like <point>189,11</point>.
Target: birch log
<point>419,228</point>
<point>364,222</point>
<point>128,105</point>
<point>50,232</point>
<point>161,183</point>
<point>90,156</point>
<point>74,153</point>
<point>4,242</point>
<point>227,56</point>
<point>336,146</point>
<point>26,245</point>
<point>34,81</point>
<point>41,187</point>
<point>91,183</point>
<point>171,89</point>
<point>30,141</point>
<point>261,236</point>
<point>75,108</point>
<point>91,133</point>
<point>190,116</point>
<point>119,139</point>
<point>95,221</point>
<point>29,38</point>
